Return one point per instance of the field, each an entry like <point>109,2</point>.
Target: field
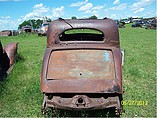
<point>20,92</point>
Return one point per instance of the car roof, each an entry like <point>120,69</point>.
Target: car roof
<point>107,26</point>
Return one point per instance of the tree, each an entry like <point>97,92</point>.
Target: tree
<point>93,17</point>
<point>34,23</point>
<point>73,17</point>
<point>38,23</point>
<point>24,24</point>
<point>48,20</point>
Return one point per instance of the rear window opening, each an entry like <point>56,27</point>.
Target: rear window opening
<point>82,35</point>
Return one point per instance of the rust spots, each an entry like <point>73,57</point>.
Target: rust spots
<point>81,64</point>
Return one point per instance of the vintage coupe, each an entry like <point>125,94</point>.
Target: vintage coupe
<point>82,66</point>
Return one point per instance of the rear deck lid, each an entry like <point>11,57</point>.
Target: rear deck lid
<point>81,64</point>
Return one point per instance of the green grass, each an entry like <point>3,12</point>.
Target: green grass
<point>85,31</point>
<point>20,93</point>
<point>139,72</point>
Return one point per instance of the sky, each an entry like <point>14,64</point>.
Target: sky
<point>14,12</point>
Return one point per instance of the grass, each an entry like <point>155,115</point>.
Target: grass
<point>20,93</point>
<point>85,31</point>
<point>139,78</point>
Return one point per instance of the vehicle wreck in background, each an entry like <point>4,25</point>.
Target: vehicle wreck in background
<point>8,56</point>
<point>43,29</point>
<point>152,24</point>
<point>27,29</point>
<point>6,33</point>
<point>82,66</point>
<point>120,24</point>
<point>9,33</point>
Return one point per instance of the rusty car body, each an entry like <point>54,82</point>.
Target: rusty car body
<point>6,33</point>
<point>82,68</point>
<point>8,56</point>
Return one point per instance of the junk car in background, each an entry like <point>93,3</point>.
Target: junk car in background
<point>120,24</point>
<point>9,33</point>
<point>43,29</point>
<point>152,24</point>
<point>82,66</point>
<point>6,33</point>
<point>140,23</point>
<point>27,29</point>
<point>137,24</point>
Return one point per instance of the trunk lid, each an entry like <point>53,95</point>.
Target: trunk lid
<point>81,64</point>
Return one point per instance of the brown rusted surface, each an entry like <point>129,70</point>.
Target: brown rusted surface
<point>48,86</point>
<point>91,64</point>
<point>83,102</point>
<point>107,26</point>
<point>7,58</point>
<point>4,62</point>
<point>11,50</point>
<point>81,64</point>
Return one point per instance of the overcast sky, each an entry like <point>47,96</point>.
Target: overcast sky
<point>14,12</point>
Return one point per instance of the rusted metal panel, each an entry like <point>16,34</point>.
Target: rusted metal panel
<point>50,86</point>
<point>107,26</point>
<point>81,64</point>
<point>82,86</point>
<point>11,50</point>
<point>83,102</point>
<point>7,58</point>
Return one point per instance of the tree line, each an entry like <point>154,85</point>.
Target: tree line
<point>37,23</point>
<point>32,22</point>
